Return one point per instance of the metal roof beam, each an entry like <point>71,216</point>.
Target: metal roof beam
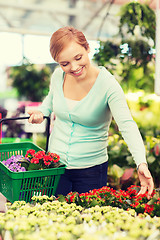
<point>42,8</point>
<point>24,31</point>
<point>6,20</point>
<point>95,14</point>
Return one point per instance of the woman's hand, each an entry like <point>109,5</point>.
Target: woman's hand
<point>35,116</point>
<point>146,180</point>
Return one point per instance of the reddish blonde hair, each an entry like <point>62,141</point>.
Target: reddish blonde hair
<point>62,37</point>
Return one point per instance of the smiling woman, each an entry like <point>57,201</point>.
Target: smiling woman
<point>65,35</point>
<point>80,74</point>
<point>80,132</point>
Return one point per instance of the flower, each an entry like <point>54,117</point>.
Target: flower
<point>30,153</point>
<point>15,163</point>
<point>157,150</point>
<point>32,161</point>
<point>42,160</point>
<point>107,196</point>
<point>35,160</point>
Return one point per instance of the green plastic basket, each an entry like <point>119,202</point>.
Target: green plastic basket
<point>18,186</point>
<point>15,140</point>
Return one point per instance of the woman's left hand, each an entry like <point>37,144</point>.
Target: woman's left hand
<point>146,180</point>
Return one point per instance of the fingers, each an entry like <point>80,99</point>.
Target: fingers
<point>147,174</point>
<point>146,181</point>
<point>142,190</point>
<point>31,118</point>
<point>150,189</point>
<point>29,112</point>
<point>149,185</point>
<point>35,117</point>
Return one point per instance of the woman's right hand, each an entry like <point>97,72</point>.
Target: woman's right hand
<point>35,116</point>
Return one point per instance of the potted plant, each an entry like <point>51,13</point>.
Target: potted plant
<point>31,81</point>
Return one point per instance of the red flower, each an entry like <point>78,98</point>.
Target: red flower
<point>148,208</point>
<point>31,152</point>
<point>39,154</point>
<point>35,160</point>
<point>45,160</point>
<point>156,149</point>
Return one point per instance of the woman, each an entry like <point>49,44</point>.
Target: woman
<point>84,98</point>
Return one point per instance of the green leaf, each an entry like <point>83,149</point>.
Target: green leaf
<point>116,171</point>
<point>33,166</point>
<point>93,203</point>
<point>61,198</point>
<point>151,159</point>
<point>152,201</point>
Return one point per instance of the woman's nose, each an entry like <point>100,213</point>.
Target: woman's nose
<point>74,66</point>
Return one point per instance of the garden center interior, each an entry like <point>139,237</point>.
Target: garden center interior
<point>25,30</point>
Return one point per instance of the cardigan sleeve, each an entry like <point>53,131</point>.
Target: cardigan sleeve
<point>127,126</point>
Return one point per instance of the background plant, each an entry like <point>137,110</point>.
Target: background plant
<point>145,109</point>
<point>121,168</point>
<point>136,14</point>
<point>31,81</point>
<point>131,58</point>
<point>14,129</point>
<point>3,111</point>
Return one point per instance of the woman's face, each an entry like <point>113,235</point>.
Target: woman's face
<point>74,60</point>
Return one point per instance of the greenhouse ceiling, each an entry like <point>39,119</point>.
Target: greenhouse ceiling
<point>96,18</point>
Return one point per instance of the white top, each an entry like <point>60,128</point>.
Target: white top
<point>71,103</point>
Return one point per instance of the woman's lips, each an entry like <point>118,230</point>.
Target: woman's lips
<point>78,73</point>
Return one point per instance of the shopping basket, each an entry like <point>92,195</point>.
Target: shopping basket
<point>18,186</point>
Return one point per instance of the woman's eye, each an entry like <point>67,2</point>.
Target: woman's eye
<point>64,64</point>
<point>78,58</point>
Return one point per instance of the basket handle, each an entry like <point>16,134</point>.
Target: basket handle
<point>21,118</point>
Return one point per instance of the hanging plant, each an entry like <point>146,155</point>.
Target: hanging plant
<point>131,60</point>
<point>31,81</point>
<point>139,52</point>
<point>106,51</point>
<point>137,14</point>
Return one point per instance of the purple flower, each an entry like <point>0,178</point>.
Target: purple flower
<point>13,163</point>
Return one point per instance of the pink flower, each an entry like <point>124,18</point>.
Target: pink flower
<point>156,150</point>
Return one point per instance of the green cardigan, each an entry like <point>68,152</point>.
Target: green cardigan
<point>80,136</point>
